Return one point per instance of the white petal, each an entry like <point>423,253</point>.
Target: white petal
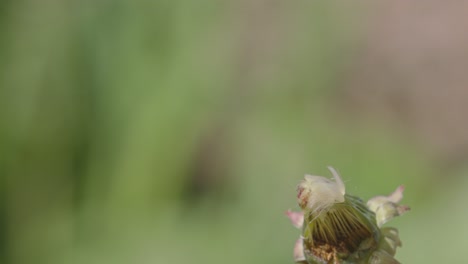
<point>387,207</point>
<point>397,195</point>
<point>316,193</point>
<point>338,180</point>
<point>299,251</point>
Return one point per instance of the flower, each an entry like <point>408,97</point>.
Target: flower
<point>341,228</point>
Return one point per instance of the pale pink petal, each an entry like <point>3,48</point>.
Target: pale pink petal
<point>397,195</point>
<point>297,218</point>
<point>387,207</point>
<point>394,197</point>
<point>299,251</point>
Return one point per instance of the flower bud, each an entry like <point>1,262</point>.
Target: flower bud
<point>341,228</point>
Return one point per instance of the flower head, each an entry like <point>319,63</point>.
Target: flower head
<point>341,228</point>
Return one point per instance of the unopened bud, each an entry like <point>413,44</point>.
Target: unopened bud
<point>340,228</point>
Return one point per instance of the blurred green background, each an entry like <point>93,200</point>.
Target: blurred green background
<point>176,131</point>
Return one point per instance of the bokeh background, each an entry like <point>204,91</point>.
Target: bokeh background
<point>176,131</point>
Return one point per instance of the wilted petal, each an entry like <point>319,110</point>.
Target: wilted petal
<point>387,207</point>
<point>316,193</point>
<point>299,251</point>
<point>338,180</point>
<point>394,197</point>
<point>297,218</point>
<point>397,195</point>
